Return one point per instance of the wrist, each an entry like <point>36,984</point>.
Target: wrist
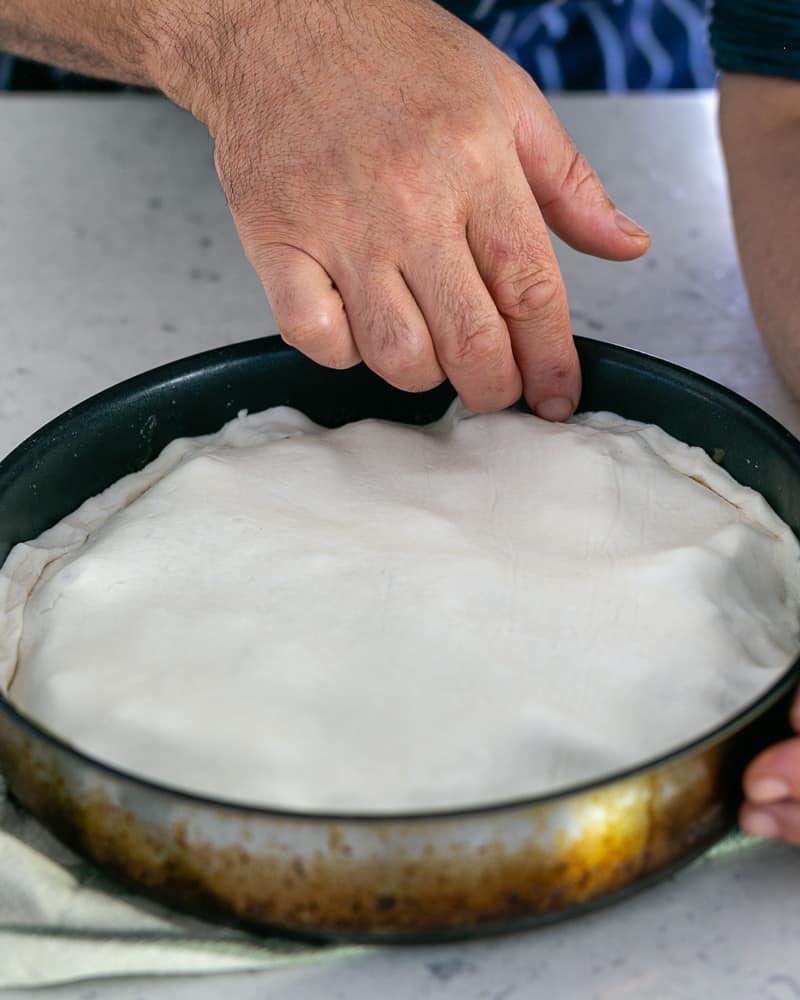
<point>194,49</point>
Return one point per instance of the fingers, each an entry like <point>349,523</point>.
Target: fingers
<point>306,305</point>
<point>515,258</point>
<point>570,195</point>
<point>772,790</point>
<point>780,821</point>
<point>389,329</point>
<point>470,336</point>
<point>775,774</point>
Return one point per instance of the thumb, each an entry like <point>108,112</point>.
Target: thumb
<point>570,195</point>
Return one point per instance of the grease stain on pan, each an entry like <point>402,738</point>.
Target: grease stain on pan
<point>374,878</point>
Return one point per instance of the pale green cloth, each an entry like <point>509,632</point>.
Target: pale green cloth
<point>61,920</point>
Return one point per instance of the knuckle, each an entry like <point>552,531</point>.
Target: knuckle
<point>311,335</point>
<point>472,146</point>
<point>402,354</point>
<point>536,290</point>
<point>451,146</point>
<point>477,343</point>
<point>410,199</point>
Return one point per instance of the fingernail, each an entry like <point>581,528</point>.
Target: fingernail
<point>556,409</point>
<point>628,226</point>
<point>759,824</point>
<point>768,790</point>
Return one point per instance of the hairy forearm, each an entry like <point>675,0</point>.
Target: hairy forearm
<point>105,38</point>
<point>186,48</point>
<point>760,128</point>
<point>177,46</point>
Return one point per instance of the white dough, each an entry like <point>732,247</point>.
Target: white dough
<point>383,617</point>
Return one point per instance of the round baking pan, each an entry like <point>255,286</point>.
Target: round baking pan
<point>381,877</point>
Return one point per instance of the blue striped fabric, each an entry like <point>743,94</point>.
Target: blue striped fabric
<point>611,45</point>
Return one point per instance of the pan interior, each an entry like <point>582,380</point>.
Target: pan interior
<point>153,410</point>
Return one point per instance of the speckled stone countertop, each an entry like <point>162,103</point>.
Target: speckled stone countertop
<point>117,254</point>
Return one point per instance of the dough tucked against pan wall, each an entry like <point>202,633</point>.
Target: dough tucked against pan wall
<point>382,617</point>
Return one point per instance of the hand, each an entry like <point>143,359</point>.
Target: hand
<point>760,126</point>
<point>772,790</point>
<point>391,175</point>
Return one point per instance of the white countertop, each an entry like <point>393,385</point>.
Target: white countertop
<point>117,254</point>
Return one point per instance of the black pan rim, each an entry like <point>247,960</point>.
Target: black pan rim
<point>220,357</point>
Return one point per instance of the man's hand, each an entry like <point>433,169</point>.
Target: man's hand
<point>392,175</point>
<point>772,790</point>
<point>760,126</point>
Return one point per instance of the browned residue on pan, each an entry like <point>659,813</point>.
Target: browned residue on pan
<point>444,884</point>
